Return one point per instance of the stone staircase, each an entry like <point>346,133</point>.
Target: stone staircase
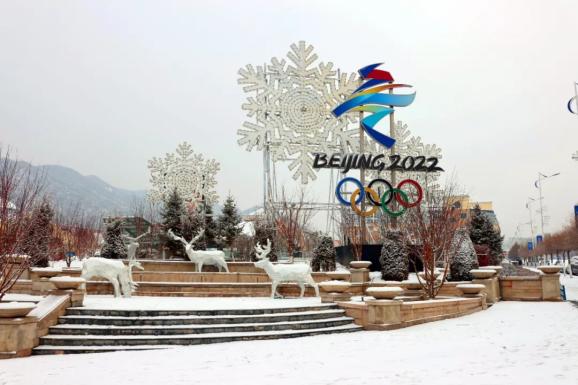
<point>83,330</point>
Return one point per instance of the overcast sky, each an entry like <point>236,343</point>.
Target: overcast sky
<point>103,86</point>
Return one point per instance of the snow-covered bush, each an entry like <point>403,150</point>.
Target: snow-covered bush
<point>463,258</point>
<point>324,255</point>
<point>113,246</point>
<point>394,257</point>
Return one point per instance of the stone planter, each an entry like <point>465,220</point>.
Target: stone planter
<point>334,286</point>
<point>360,264</point>
<point>65,283</point>
<point>339,275</point>
<point>436,274</point>
<point>15,309</point>
<point>45,272</point>
<point>470,288</point>
<point>497,268</point>
<point>483,273</point>
<point>413,286</point>
<point>549,269</point>
<point>384,292</point>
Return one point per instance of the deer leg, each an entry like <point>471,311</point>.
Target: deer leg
<point>115,286</point>
<point>199,267</point>
<point>302,287</point>
<point>274,289</point>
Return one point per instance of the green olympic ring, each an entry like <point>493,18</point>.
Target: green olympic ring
<point>384,200</point>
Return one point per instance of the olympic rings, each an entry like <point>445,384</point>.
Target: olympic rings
<point>372,195</point>
<point>376,200</point>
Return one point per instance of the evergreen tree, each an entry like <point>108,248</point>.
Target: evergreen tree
<point>324,255</point>
<point>172,214</point>
<point>192,223</point>
<point>39,235</point>
<point>113,246</point>
<point>229,222</point>
<point>463,258</point>
<point>394,257</point>
<point>482,232</point>
<point>211,229</point>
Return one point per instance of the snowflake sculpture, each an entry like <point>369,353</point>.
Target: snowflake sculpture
<point>291,104</point>
<point>408,145</point>
<point>189,173</point>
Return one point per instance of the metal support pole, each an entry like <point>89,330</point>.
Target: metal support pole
<point>541,205</point>
<point>392,152</point>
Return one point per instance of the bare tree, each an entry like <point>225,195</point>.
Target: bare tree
<point>75,233</point>
<point>20,192</point>
<point>434,228</point>
<point>291,217</point>
<point>351,231</point>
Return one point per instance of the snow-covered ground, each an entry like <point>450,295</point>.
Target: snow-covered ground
<point>193,303</point>
<point>511,343</point>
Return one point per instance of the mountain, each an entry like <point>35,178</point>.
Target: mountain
<point>66,188</point>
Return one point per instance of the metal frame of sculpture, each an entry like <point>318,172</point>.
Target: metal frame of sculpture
<point>201,257</point>
<point>279,273</point>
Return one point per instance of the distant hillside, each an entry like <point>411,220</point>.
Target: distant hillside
<point>67,187</point>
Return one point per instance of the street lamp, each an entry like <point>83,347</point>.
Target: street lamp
<point>538,185</point>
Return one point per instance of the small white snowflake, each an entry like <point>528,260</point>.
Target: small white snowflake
<point>189,173</point>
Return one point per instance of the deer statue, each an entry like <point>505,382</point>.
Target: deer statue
<point>297,272</point>
<point>114,270</point>
<point>131,253</point>
<point>201,257</point>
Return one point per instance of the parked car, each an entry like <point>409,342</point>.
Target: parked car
<point>515,260</point>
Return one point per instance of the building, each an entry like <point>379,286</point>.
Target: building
<point>467,205</point>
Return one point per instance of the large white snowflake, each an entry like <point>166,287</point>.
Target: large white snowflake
<point>408,145</point>
<point>290,105</point>
<point>189,173</point>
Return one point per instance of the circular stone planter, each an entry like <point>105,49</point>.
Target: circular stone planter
<point>67,282</point>
<point>334,286</point>
<point>497,268</point>
<point>15,309</point>
<point>339,275</point>
<point>384,292</point>
<point>483,273</point>
<point>470,288</point>
<point>549,269</point>
<point>46,272</point>
<point>360,264</point>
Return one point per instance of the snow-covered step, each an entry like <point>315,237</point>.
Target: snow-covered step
<point>142,313</point>
<point>195,319</point>
<point>83,329</point>
<point>81,344</point>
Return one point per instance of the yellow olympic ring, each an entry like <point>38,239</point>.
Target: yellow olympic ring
<point>355,208</point>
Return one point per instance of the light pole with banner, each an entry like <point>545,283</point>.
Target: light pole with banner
<point>538,185</point>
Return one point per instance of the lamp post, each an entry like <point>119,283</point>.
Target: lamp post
<point>538,185</point>
<point>529,203</point>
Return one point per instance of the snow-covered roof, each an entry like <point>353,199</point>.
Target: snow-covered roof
<point>247,228</point>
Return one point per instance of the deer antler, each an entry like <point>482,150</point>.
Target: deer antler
<point>176,237</point>
<point>261,252</point>
<point>196,238</point>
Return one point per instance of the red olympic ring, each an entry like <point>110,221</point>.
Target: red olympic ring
<point>406,204</point>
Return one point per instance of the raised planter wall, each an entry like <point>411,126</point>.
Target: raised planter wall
<point>545,287</point>
<point>395,314</point>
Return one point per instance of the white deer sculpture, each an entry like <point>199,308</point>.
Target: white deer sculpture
<point>131,254</point>
<point>201,257</point>
<point>114,270</point>
<point>297,272</point>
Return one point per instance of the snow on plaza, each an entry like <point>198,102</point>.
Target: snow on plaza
<point>518,342</point>
<point>381,192</point>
